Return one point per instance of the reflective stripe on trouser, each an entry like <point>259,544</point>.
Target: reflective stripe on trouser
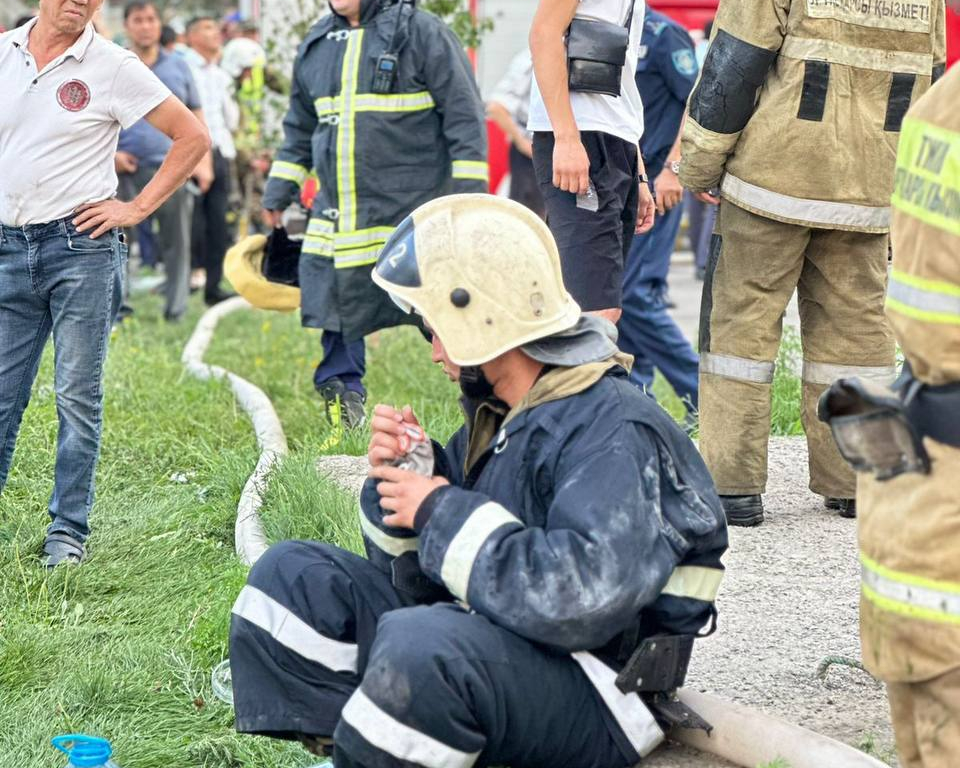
<point>926,721</point>
<point>440,686</point>
<point>909,531</point>
<point>755,265</point>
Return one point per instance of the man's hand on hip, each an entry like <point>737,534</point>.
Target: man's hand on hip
<point>646,210</point>
<point>103,216</point>
<point>669,191</point>
<point>402,493</point>
<point>571,166</point>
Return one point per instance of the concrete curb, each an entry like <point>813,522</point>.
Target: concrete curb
<point>251,541</point>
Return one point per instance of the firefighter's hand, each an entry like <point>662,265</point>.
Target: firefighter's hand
<point>402,493</point>
<point>669,191</point>
<point>390,434</point>
<point>706,197</point>
<point>124,162</point>
<point>571,166</point>
<point>273,218</point>
<point>103,216</point>
<point>646,210</point>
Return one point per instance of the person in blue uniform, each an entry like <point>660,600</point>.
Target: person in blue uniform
<point>666,72</point>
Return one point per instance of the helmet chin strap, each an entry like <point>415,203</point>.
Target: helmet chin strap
<point>474,384</point>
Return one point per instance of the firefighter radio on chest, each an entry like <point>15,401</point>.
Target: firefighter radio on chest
<point>385,76</point>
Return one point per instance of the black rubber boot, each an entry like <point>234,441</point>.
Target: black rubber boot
<point>743,511</point>
<point>845,507</point>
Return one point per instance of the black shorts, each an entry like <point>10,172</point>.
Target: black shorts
<point>593,244</point>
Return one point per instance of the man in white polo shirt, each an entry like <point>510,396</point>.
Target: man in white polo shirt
<point>66,93</point>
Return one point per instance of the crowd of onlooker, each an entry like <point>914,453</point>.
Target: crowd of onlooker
<point>217,68</point>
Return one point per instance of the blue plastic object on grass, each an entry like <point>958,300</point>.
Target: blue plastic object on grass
<point>85,751</point>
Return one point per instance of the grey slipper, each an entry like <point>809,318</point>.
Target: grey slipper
<point>60,548</point>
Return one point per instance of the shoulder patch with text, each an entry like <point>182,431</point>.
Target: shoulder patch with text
<point>903,15</point>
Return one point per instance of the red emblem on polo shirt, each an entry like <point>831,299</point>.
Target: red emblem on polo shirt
<point>73,95</point>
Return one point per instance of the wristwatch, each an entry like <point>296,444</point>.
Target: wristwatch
<point>644,179</point>
<point>675,167</point>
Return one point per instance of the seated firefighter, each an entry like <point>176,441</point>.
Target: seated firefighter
<point>513,573</point>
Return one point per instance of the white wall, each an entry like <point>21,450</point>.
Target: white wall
<point>511,20</point>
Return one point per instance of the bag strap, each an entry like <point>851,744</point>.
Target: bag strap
<point>629,22</point>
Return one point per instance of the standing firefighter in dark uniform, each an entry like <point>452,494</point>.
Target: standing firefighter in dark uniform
<point>385,108</point>
<point>795,120</point>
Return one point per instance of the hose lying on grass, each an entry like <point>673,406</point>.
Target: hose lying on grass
<point>251,542</point>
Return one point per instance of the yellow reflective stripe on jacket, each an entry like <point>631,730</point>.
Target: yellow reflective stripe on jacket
<point>280,169</point>
<point>806,48</point>
<point>909,595</point>
<point>318,240</point>
<point>471,169</point>
<point>347,133</point>
<point>932,301</point>
<point>377,102</point>
<point>694,581</point>
<point>319,227</point>
<point>927,181</point>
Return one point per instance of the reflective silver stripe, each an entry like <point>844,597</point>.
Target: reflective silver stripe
<point>827,373</point>
<point>852,56</point>
<point>920,600</point>
<point>358,258</point>
<point>319,227</point>
<point>471,169</point>
<point>403,742</point>
<point>465,546</point>
<point>694,581</point>
<point>731,367</point>
<point>317,245</point>
<point>928,302</point>
<point>392,545</point>
<point>395,102</point>
<point>802,210</point>
<point>346,136</point>
<point>370,236</point>
<point>294,633</point>
<point>628,710</point>
<point>288,172</point>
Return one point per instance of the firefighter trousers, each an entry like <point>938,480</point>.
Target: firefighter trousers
<point>755,265</point>
<point>321,644</point>
<point>926,721</point>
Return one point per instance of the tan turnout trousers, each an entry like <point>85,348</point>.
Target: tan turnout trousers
<point>926,721</point>
<point>755,265</point>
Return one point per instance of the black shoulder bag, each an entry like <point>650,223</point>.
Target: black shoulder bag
<point>596,53</point>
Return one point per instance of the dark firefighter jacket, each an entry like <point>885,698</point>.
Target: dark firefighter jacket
<point>377,156</point>
<point>584,520</point>
<point>797,112</point>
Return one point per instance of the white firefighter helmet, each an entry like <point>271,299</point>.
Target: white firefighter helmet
<point>243,269</point>
<point>484,273</point>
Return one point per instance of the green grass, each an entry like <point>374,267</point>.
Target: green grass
<point>123,647</point>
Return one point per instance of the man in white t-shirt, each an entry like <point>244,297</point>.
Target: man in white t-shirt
<point>586,156</point>
<point>66,94</point>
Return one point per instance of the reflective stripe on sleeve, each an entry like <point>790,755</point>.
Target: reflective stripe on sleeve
<point>926,184</point>
<point>401,741</point>
<point>742,368</point>
<point>827,373</point>
<point>294,633</point>
<point>694,581</point>
<point>852,56</point>
<point>820,212</point>
<point>628,710</point>
<point>909,595</point>
<point>281,169</point>
<point>932,301</point>
<point>471,169</point>
<point>392,545</point>
<point>465,546</point>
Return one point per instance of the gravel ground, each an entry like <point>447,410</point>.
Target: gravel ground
<point>788,601</point>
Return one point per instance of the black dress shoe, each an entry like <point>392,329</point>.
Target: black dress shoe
<point>845,507</point>
<point>743,511</point>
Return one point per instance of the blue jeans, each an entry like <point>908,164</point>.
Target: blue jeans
<point>347,362</point>
<point>646,329</point>
<point>53,278</point>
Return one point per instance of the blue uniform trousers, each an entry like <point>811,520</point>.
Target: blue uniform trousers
<point>347,362</point>
<point>646,329</point>
<point>322,644</point>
